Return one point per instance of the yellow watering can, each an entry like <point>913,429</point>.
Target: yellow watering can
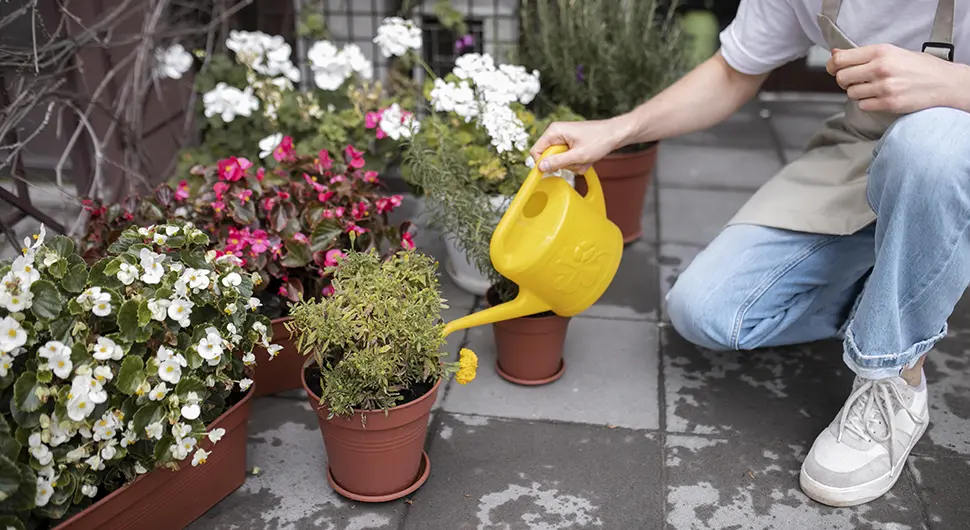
<point>556,245</point>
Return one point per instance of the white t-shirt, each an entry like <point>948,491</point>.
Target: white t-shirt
<point>766,34</point>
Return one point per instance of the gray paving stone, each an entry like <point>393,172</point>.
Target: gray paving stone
<point>291,492</point>
<point>750,482</point>
<point>489,474</point>
<point>716,167</point>
<point>674,259</point>
<point>944,485</point>
<point>947,371</point>
<point>795,390</point>
<point>610,379</point>
<point>633,293</point>
<point>696,216</point>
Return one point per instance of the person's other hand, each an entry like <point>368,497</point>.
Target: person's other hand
<point>588,142</point>
<point>883,77</point>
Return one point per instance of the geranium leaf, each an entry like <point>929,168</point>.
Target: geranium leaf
<point>47,301</point>
<point>24,392</point>
<point>131,375</point>
<point>297,254</point>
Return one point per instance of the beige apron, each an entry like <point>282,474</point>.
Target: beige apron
<point>824,190</point>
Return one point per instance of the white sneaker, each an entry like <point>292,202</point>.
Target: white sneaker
<point>860,456</point>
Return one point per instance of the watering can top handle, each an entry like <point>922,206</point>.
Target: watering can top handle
<point>594,190</point>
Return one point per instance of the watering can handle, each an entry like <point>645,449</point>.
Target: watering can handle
<point>594,190</point>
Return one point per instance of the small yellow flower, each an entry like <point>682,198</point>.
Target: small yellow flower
<point>468,365</point>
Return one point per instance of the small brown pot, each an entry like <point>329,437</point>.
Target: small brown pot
<point>284,371</point>
<point>381,460</point>
<point>625,177</point>
<point>529,349</point>
<point>164,499</point>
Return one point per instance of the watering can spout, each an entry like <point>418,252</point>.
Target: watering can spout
<point>523,305</point>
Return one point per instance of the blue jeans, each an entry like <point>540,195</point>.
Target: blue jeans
<point>886,290</point>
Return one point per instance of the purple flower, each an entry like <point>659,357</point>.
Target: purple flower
<point>580,74</point>
<point>464,43</point>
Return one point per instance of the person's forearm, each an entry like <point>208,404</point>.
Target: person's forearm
<point>706,96</point>
<point>958,95</point>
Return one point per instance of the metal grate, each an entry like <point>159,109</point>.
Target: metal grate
<point>441,47</point>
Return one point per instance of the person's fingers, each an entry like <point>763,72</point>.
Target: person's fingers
<point>830,64</point>
<point>571,158</point>
<point>854,75</point>
<point>861,91</point>
<point>552,136</point>
<point>854,57</point>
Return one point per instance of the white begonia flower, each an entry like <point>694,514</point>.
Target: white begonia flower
<point>95,462</point>
<point>102,374</point>
<point>268,144</point>
<point>14,296</point>
<point>249,359</point>
<point>191,409</point>
<point>12,334</point>
<point>245,383</point>
<point>106,428</point>
<point>209,348</point>
<point>110,450</point>
<point>329,67</point>
<point>46,472</point>
<point>140,469</point>
<point>159,392</point>
<point>61,365</point>
<point>171,230</point>
<point>196,278</point>
<point>259,328</point>
<point>170,365</point>
<point>24,267</point>
<point>101,309</point>
<point>454,97</point>
<point>6,362</point>
<point>106,349</point>
<point>50,259</point>
<point>230,309</point>
<point>355,59</point>
<point>199,457</point>
<point>128,273</point>
<point>273,350</point>
<point>159,239</point>
<point>159,308</point>
<point>152,263</point>
<point>144,232</point>
<point>44,492</point>
<point>182,448</point>
<point>91,295</point>
<point>129,438</point>
<point>89,490</point>
<point>233,279</point>
<point>176,266</point>
<point>216,434</point>
<point>75,455</point>
<point>172,62</point>
<point>396,36</point>
<point>154,430</point>
<point>181,430</point>
<point>228,102</point>
<point>79,407</point>
<point>180,310</point>
<point>254,304</point>
<point>52,349</point>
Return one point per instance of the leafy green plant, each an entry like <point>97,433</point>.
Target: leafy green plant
<point>111,370</point>
<point>379,335</point>
<point>602,57</point>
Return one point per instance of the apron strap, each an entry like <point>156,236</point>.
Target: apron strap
<point>830,8</point>
<point>941,38</point>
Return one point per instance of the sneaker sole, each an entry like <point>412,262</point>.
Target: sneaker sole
<point>863,493</point>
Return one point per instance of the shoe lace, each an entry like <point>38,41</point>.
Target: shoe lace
<point>871,399</point>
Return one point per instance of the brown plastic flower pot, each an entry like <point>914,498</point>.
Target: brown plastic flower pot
<point>529,349</point>
<point>163,499</point>
<point>282,373</point>
<point>625,177</point>
<point>381,460</point>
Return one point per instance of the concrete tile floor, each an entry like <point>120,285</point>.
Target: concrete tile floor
<point>645,431</point>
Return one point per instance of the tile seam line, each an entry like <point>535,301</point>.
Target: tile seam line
<point>661,380</point>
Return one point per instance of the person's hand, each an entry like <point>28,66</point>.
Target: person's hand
<point>588,142</point>
<point>883,77</point>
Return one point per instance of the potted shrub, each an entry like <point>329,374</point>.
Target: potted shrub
<point>529,349</point>
<point>374,370</point>
<point>118,379</point>
<point>627,53</point>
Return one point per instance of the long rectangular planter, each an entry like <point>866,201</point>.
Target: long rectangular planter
<point>169,500</point>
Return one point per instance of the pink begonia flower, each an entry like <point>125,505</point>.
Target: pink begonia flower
<point>371,177</point>
<point>284,195</point>
<point>338,179</point>
<point>355,158</point>
<point>182,192</point>
<point>407,242</point>
<point>353,227</point>
<point>313,182</point>
<point>330,259</point>
<point>325,196</point>
<point>327,291</point>
<point>277,250</point>
<point>323,160</point>
<point>260,174</point>
<point>218,206</point>
<point>329,214</point>
<point>359,211</point>
<point>268,203</point>
<point>339,211</point>
<point>300,237</point>
<point>283,291</point>
<point>244,195</point>
<point>388,204</point>
<point>233,169</point>
<point>284,151</point>
<point>238,239</point>
<point>219,188</point>
<point>258,242</point>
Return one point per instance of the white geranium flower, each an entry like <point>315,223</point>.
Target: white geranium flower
<point>393,123</point>
<point>228,102</point>
<point>471,66</point>
<point>154,430</point>
<point>396,36</point>
<point>180,310</point>
<point>454,97</point>
<point>199,457</point>
<point>356,60</point>
<point>79,407</point>
<point>504,128</point>
<point>233,279</point>
<point>268,144</point>
<point>172,62</point>
<point>525,85</point>
<point>159,392</point>
<point>106,349</point>
<point>128,273</point>
<point>329,67</point>
<point>12,334</point>
<point>44,492</point>
<point>254,304</point>
<point>89,490</point>
<point>152,263</point>
<point>245,383</point>
<point>159,308</point>
<point>216,434</point>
